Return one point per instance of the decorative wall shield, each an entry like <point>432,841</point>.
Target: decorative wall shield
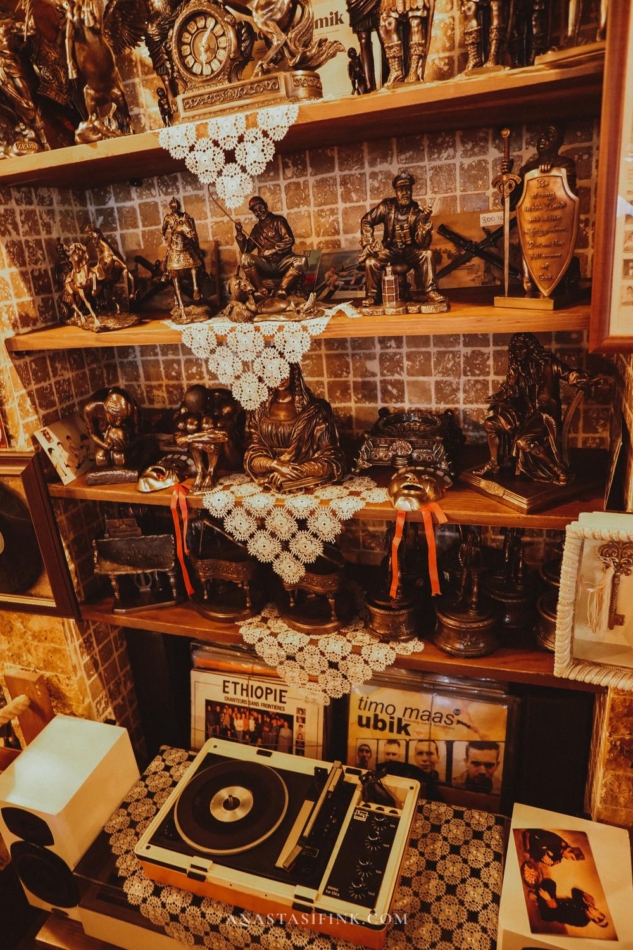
<point>547,219</point>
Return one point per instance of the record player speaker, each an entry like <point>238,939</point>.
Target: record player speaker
<point>54,800</point>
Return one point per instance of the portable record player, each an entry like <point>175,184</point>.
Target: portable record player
<point>311,842</point>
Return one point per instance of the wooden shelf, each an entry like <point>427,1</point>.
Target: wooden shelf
<point>462,318</point>
<point>513,96</point>
<point>462,505</point>
<point>513,664</point>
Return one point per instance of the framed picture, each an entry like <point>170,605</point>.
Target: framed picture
<point>612,295</point>
<point>594,622</point>
<point>235,697</point>
<point>454,737</point>
<point>34,575</point>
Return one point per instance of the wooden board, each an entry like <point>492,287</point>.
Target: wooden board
<point>523,663</point>
<point>512,96</point>
<point>461,504</point>
<point>61,933</point>
<point>463,317</point>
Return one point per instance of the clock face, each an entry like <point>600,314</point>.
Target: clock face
<point>203,44</point>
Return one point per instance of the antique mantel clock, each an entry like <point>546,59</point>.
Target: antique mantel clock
<point>210,49</point>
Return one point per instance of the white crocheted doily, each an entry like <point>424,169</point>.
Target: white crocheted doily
<point>324,666</point>
<point>229,150</point>
<point>288,531</point>
<point>253,358</point>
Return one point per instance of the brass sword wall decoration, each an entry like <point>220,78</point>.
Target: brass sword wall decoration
<point>505,183</point>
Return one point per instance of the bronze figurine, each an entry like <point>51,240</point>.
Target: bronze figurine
<point>112,418</point>
<point>86,298</point>
<point>405,245</point>
<point>574,11</point>
<point>364,19</point>
<point>15,91</point>
<point>288,30</point>
<point>109,270</point>
<point>183,257</point>
<point>528,31</point>
<point>417,16</point>
<point>525,428</point>
<point>90,56</point>
<point>467,623</point>
<point>164,107</point>
<point>509,586</point>
<point>292,440</point>
<point>206,426</point>
<point>356,73</point>
<point>269,261</point>
<point>475,14</point>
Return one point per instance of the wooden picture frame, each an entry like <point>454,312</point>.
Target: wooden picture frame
<point>589,647</point>
<point>52,592</point>
<point>611,327</point>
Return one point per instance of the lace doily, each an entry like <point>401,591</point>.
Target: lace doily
<point>288,531</point>
<point>229,150</point>
<point>322,667</point>
<point>448,894</point>
<point>253,358</point>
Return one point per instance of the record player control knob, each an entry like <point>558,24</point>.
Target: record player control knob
<point>364,870</point>
<point>358,886</point>
<point>374,840</point>
<point>379,818</point>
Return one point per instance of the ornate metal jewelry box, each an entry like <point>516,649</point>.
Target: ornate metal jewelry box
<point>417,438</point>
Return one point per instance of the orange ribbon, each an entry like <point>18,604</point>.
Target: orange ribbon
<point>179,500</point>
<point>427,515</point>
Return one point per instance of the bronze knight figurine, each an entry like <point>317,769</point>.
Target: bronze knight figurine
<point>405,245</point>
<point>473,14</point>
<point>418,15</point>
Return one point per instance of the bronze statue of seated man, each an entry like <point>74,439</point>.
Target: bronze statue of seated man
<point>268,252</point>
<point>406,243</point>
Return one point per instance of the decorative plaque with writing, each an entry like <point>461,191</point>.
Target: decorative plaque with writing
<point>547,220</point>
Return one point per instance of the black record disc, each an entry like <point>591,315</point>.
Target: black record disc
<point>231,807</point>
<point>20,558</point>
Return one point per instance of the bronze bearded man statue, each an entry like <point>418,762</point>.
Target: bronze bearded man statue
<point>268,251</point>
<point>406,243</point>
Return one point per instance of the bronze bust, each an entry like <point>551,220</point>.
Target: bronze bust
<point>292,439</point>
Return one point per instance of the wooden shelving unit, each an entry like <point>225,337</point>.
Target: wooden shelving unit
<point>463,317</point>
<point>462,505</point>
<point>513,96</point>
<point>520,663</point>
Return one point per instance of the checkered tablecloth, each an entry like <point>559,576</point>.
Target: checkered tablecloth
<point>448,896</point>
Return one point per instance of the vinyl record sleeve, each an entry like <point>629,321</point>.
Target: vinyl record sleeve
<point>237,700</point>
<point>453,736</point>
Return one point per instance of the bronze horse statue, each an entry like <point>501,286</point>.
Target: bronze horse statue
<point>90,56</point>
<point>109,269</point>
<point>79,283</point>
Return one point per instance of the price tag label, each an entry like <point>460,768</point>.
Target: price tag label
<point>491,219</point>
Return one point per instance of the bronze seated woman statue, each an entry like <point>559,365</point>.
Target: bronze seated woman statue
<point>293,443</point>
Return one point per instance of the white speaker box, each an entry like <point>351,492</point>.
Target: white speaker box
<point>54,800</point>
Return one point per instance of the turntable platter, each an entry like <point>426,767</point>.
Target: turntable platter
<point>231,807</point>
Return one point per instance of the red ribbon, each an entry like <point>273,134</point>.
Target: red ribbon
<point>179,500</point>
<point>427,515</point>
